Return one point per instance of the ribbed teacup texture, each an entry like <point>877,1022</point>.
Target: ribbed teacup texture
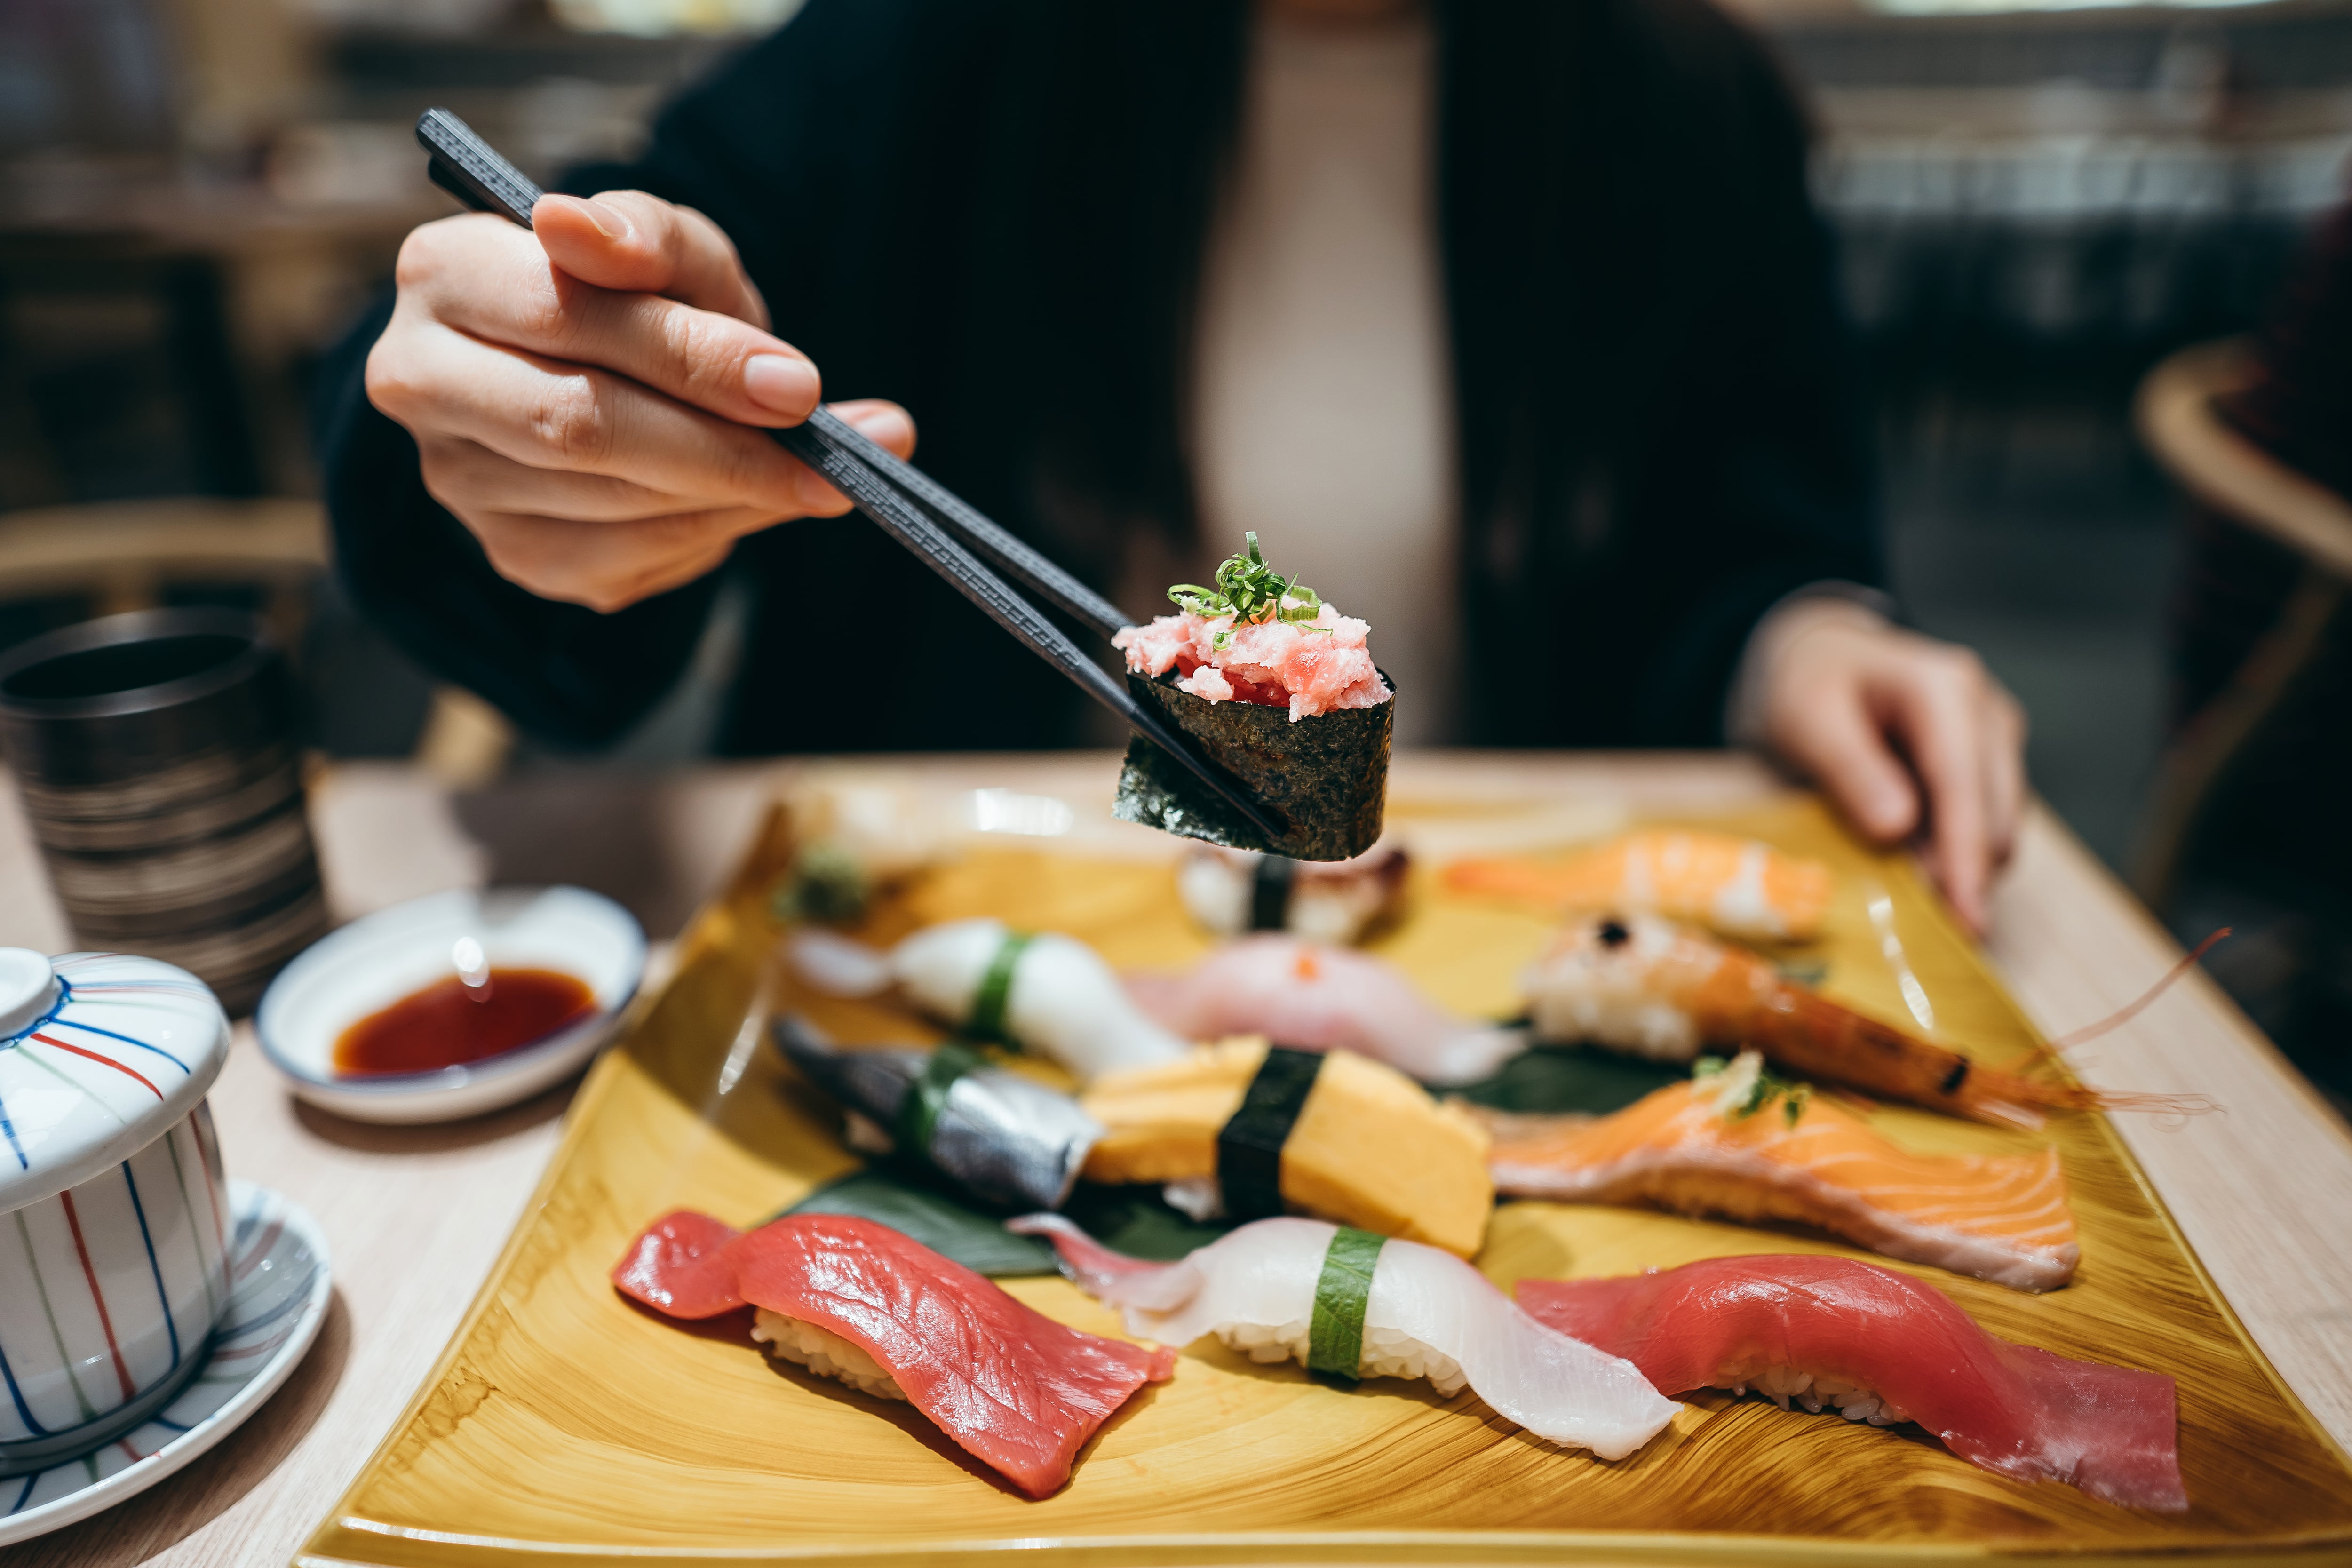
<point>171,816</point>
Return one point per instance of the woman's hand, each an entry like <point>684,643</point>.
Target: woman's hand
<point>580,394</point>
<point>1907,734</point>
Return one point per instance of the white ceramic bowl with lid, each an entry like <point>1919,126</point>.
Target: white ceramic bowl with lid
<point>113,1203</point>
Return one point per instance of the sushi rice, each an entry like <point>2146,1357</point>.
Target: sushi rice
<point>1780,1384</point>
<point>1387,1352</point>
<point>824,1353</point>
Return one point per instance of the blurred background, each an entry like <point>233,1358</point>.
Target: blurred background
<point>2039,206</point>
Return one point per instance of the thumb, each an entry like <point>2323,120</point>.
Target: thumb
<point>630,241</point>
<point>1832,740</point>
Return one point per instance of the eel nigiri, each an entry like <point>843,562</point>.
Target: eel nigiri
<point>1233,892</point>
<point>1362,1144</point>
<point>1345,1302</point>
<point>1313,997</point>
<point>1040,991</point>
<point>1010,1140</point>
<point>1736,886</point>
<point>854,1301</point>
<point>1882,1347</point>
<point>1644,986</point>
<point>1736,1145</point>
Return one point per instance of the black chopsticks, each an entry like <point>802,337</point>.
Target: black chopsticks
<point>903,501</point>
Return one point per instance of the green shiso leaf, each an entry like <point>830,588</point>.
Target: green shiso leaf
<point>1335,1334</point>
<point>1137,1221</point>
<point>1559,1079</point>
<point>925,1214</point>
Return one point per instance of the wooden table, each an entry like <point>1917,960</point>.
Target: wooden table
<point>2263,1190</point>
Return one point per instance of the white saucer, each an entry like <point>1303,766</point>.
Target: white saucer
<point>278,1285</point>
<point>378,959</point>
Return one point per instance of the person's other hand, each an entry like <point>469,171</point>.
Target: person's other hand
<point>580,394</point>
<point>1908,735</point>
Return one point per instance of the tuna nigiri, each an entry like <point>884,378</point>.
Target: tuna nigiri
<point>1735,886</point>
<point>1735,1143</point>
<point>854,1301</point>
<point>1312,997</point>
<point>1345,1302</point>
<point>1882,1347</point>
<point>1040,991</point>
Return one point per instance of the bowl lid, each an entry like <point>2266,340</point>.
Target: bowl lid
<point>99,1053</point>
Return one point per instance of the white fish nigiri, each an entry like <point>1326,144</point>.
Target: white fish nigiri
<point>1317,998</point>
<point>1054,994</point>
<point>1428,1314</point>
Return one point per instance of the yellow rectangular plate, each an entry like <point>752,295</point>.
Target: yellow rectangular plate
<point>564,1423</point>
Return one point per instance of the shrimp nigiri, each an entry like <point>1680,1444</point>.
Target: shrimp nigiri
<point>1639,984</point>
<point>1316,998</point>
<point>1348,1303</point>
<point>1735,886</point>
<point>1883,1347</point>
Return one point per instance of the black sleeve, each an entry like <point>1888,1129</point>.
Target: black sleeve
<point>1760,475</point>
<point>760,147</point>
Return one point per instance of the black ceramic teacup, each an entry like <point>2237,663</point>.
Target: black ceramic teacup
<point>159,760</point>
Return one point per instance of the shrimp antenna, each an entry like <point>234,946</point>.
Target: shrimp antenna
<point>2126,1013</point>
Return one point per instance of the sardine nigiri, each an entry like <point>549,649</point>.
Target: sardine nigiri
<point>1425,1314</point>
<point>858,1300</point>
<point>1714,1146</point>
<point>1884,1347</point>
<point>1312,997</point>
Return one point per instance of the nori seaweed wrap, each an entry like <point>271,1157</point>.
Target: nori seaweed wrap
<point>1325,778</point>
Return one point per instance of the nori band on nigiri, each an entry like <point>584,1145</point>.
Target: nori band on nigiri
<point>1249,1146</point>
<point>1335,1334</point>
<point>1270,883</point>
<point>1325,778</point>
<point>987,1020</point>
<point>918,1112</point>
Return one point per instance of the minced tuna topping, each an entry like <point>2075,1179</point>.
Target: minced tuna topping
<point>1258,638</point>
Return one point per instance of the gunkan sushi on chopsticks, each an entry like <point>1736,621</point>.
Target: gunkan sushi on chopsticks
<point>1012,1141</point>
<point>1035,991</point>
<point>859,1302</point>
<point>1345,1302</point>
<point>1279,690</point>
<point>1882,1347</point>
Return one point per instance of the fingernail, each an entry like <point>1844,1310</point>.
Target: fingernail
<point>782,384</point>
<point>609,221</point>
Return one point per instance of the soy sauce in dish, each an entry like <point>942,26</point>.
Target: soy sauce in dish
<point>451,1023</point>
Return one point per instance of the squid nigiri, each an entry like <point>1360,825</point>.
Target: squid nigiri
<point>1641,984</point>
<point>1736,886</point>
<point>858,1302</point>
<point>1345,1302</point>
<point>1040,991</point>
<point>1883,1347</point>
<point>1312,997</point>
<point>1736,1143</point>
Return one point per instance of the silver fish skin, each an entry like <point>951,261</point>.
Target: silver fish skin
<point>1014,1142</point>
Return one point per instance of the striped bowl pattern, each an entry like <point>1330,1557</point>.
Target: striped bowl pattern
<point>279,1288</point>
<point>109,1294</point>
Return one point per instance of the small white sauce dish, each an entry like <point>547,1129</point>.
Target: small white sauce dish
<point>382,958</point>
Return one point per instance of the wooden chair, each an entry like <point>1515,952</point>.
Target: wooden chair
<point>2224,471</point>
<point>124,555</point>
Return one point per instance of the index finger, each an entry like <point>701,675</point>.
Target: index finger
<point>1935,714</point>
<point>640,243</point>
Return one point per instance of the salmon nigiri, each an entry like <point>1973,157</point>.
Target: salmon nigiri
<point>852,1299</point>
<point>1735,886</point>
<point>1884,1347</point>
<point>1739,1145</point>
